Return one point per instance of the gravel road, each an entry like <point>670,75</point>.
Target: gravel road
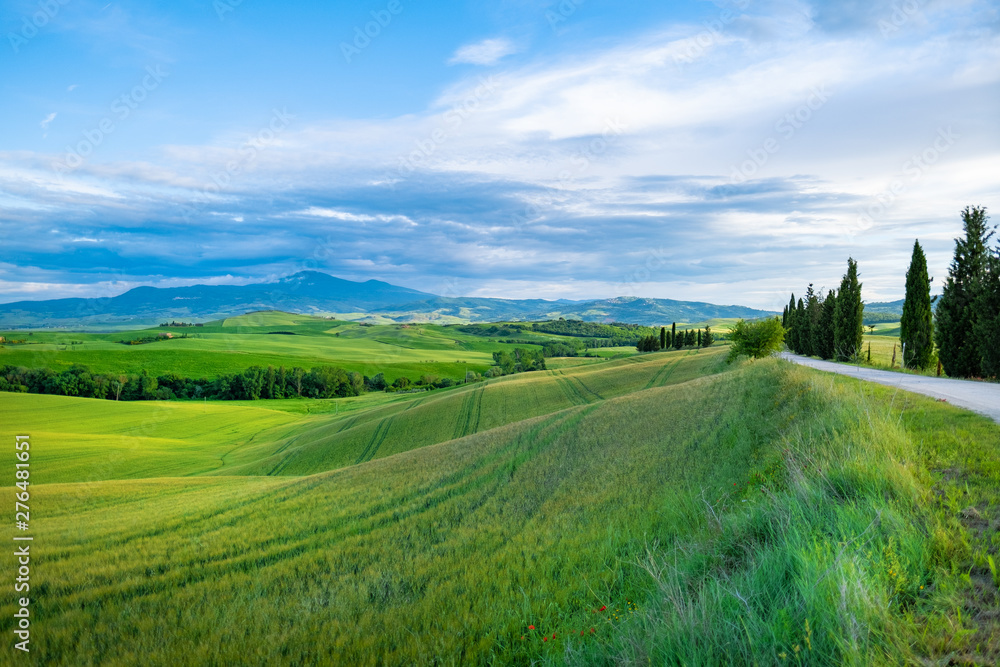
<point>981,397</point>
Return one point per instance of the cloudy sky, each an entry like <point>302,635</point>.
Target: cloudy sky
<point>718,151</point>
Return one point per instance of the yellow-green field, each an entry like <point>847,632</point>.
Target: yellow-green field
<point>635,511</point>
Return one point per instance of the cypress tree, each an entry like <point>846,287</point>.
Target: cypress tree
<point>790,336</point>
<point>988,327</point>
<point>801,331</point>
<point>848,329</point>
<point>663,338</point>
<point>916,327</point>
<point>673,334</point>
<point>956,311</point>
<point>784,317</point>
<point>811,321</point>
<point>824,329</point>
<point>707,339</point>
<point>679,340</point>
<point>814,312</point>
<point>699,338</point>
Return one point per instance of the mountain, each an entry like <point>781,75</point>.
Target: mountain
<point>314,292</point>
<point>304,292</point>
<point>630,309</point>
<point>895,307</point>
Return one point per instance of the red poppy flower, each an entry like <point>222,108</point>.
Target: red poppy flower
<point>545,639</point>
<point>592,629</point>
<point>553,635</point>
<point>531,627</point>
<point>603,608</point>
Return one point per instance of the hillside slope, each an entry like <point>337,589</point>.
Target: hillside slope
<point>628,530</point>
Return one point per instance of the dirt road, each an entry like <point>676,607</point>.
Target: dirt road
<point>981,397</point>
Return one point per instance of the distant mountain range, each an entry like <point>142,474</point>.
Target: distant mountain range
<point>312,292</point>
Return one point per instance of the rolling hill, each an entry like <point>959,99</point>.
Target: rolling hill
<point>313,292</point>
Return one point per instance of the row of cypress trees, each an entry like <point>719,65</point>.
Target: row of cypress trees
<point>673,338</point>
<point>965,326</point>
<point>830,327</point>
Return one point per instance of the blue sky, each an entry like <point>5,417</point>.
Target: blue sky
<point>717,151</point>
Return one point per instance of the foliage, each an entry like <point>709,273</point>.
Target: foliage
<point>519,360</point>
<point>824,338</point>
<point>648,344</point>
<point>848,330</point>
<point>987,328</point>
<point>916,325</point>
<point>756,340</point>
<point>957,312</point>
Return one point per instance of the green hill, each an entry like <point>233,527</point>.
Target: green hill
<point>659,509</point>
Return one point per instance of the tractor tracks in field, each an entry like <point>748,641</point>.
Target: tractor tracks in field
<point>470,414</point>
<point>661,376</point>
<point>576,391</point>
<point>378,437</point>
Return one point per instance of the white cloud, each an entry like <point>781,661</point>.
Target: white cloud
<point>321,212</point>
<point>46,121</point>
<point>486,52</point>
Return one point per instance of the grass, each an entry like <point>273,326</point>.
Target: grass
<point>263,339</point>
<point>687,512</point>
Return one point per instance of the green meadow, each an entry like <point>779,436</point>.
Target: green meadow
<point>265,339</point>
<point>661,508</point>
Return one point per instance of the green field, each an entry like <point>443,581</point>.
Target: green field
<point>274,339</point>
<point>661,508</point>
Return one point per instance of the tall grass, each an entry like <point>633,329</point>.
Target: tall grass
<point>822,557</point>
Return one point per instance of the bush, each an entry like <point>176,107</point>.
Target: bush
<point>756,339</point>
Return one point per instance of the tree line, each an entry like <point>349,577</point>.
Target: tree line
<point>830,326</point>
<point>962,333</point>
<point>252,384</point>
<point>676,339</point>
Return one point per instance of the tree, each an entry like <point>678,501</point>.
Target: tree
<point>698,343</point>
<point>790,325</point>
<point>957,316</point>
<point>756,339</point>
<point>663,338</point>
<point>824,334</point>
<point>707,339</point>
<point>987,330</point>
<point>678,340</point>
<point>648,344</point>
<point>801,329</point>
<point>848,316</point>
<point>814,311</point>
<point>916,327</point>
